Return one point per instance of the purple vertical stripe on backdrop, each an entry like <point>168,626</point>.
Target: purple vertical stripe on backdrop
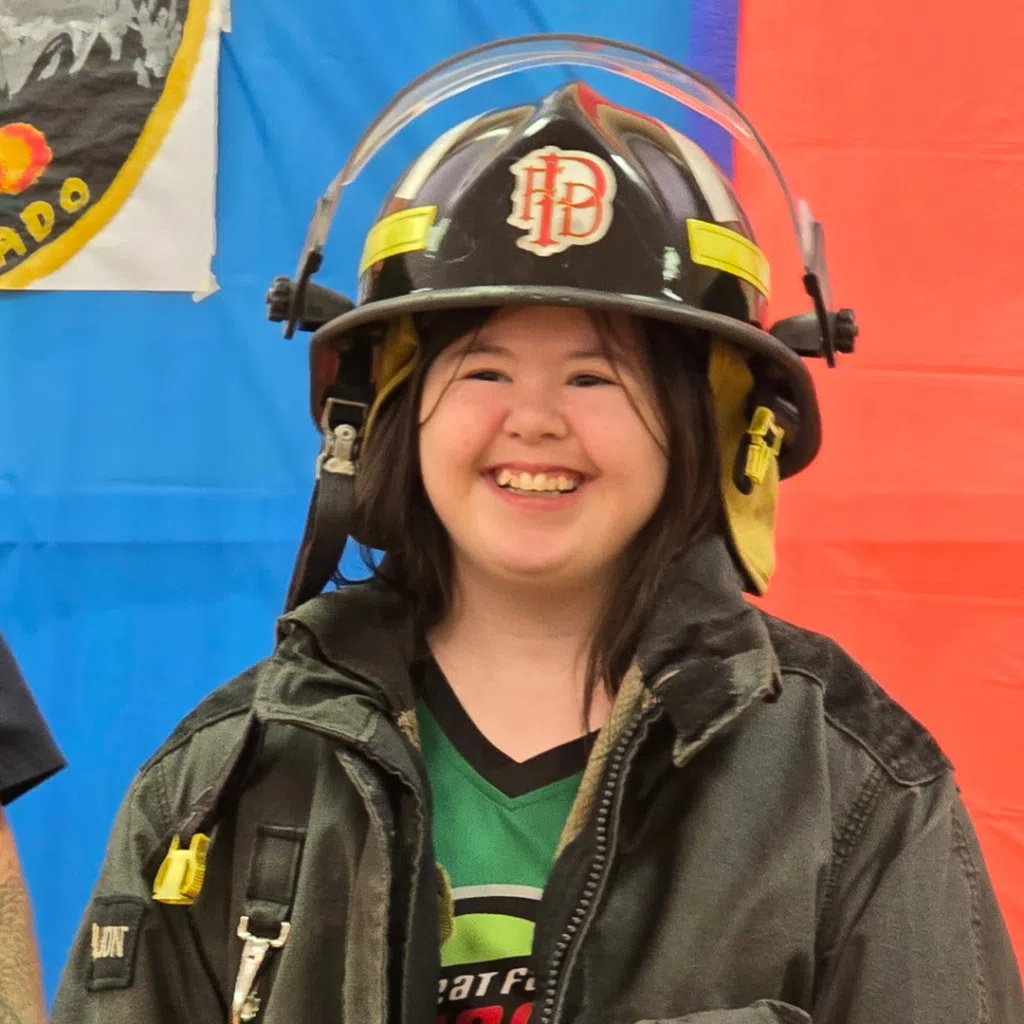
<point>714,42</point>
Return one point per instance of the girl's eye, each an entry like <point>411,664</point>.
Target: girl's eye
<point>589,380</point>
<point>486,375</point>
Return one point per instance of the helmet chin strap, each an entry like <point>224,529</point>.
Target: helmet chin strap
<point>330,512</point>
<point>342,422</point>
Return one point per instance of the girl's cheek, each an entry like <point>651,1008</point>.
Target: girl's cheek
<point>461,429</point>
<point>606,413</point>
<point>612,435</point>
<point>479,411</point>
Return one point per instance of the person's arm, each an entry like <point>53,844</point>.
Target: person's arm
<point>28,756</point>
<point>153,971</point>
<point>21,988</point>
<point>916,933</point>
<point>28,753</point>
<point>913,932</point>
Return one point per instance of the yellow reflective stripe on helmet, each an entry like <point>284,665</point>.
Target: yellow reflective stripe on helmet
<point>711,245</point>
<point>405,231</point>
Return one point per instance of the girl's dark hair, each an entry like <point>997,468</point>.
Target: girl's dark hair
<point>394,514</point>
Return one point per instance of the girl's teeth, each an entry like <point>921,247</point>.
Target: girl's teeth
<point>533,483</point>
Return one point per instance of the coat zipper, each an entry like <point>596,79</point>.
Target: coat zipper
<point>555,988</point>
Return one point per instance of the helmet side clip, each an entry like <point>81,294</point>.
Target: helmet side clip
<point>303,305</point>
<point>825,331</point>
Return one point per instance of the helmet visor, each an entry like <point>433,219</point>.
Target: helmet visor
<point>473,68</point>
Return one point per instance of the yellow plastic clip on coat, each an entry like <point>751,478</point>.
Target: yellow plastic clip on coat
<point>180,878</point>
<point>765,444</point>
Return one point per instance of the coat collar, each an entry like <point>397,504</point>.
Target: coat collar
<point>705,653</point>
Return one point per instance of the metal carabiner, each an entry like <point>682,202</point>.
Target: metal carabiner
<point>245,1004</point>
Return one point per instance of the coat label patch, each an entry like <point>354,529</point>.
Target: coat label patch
<point>114,927</point>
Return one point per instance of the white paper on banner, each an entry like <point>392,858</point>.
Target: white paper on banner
<point>109,183</point>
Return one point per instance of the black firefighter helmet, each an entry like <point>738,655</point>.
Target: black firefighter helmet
<point>575,201</point>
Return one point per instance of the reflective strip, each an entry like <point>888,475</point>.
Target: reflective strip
<point>404,231</point>
<point>711,245</point>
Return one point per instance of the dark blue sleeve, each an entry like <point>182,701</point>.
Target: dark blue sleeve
<point>28,753</point>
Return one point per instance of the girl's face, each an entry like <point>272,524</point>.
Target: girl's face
<point>541,458</point>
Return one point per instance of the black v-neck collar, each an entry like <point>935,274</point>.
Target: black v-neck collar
<point>513,778</point>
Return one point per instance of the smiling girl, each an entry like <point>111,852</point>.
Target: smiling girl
<point>548,764</point>
<point>539,448</point>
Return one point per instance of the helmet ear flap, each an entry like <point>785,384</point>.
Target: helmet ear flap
<point>750,440</point>
<point>396,360</point>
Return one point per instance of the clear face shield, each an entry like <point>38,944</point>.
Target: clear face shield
<point>822,332</point>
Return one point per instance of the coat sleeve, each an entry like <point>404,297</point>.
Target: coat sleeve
<point>135,959</point>
<point>917,936</point>
<point>28,753</point>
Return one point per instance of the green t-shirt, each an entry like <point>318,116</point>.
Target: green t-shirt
<point>497,823</point>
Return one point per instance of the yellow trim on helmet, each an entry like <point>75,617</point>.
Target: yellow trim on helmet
<point>712,245</point>
<point>404,231</point>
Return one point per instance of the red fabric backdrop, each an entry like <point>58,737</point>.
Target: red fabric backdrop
<point>905,127</point>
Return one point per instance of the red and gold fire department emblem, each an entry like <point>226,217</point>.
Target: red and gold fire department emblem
<point>562,197</point>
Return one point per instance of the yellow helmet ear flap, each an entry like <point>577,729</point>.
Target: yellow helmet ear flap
<point>395,364</point>
<point>749,511</point>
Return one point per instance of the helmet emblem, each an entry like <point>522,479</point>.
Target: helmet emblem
<point>562,197</point>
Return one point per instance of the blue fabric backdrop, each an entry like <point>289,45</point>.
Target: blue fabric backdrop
<point>156,454</point>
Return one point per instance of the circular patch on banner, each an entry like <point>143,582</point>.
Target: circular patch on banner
<point>88,92</point>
